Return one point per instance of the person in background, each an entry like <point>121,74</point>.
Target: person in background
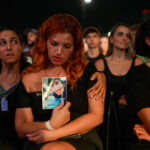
<point>138,94</point>
<point>12,63</point>
<point>134,29</point>
<point>116,65</point>
<point>60,52</point>
<point>104,44</point>
<point>92,38</point>
<point>30,36</point>
<point>142,40</point>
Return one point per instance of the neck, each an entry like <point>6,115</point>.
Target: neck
<point>55,71</point>
<point>9,76</point>
<point>10,69</point>
<point>93,52</point>
<point>118,54</point>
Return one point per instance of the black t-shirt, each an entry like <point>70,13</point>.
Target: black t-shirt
<point>137,96</point>
<point>8,134</point>
<point>77,97</point>
<point>93,60</point>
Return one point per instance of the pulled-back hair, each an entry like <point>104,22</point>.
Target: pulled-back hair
<point>61,23</point>
<point>129,52</point>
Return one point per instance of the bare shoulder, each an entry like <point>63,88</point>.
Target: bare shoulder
<point>138,61</point>
<point>99,64</point>
<point>30,79</point>
<point>148,63</point>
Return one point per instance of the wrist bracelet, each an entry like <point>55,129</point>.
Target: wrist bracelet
<point>48,125</point>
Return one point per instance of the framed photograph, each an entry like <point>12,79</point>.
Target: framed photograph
<point>54,90</point>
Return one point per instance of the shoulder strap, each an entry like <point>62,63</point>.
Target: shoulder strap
<point>106,69</point>
<point>133,62</point>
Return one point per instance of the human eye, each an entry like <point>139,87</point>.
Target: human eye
<point>53,43</point>
<point>128,36</point>
<point>67,46</point>
<point>14,41</point>
<point>2,43</point>
<point>120,33</point>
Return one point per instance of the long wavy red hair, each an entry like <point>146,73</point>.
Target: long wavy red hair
<point>76,64</point>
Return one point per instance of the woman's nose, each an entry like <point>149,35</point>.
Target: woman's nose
<point>8,45</point>
<point>59,50</point>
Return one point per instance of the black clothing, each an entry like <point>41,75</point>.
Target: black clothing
<point>113,81</point>
<point>138,97</point>
<point>8,136</point>
<point>79,106</point>
<point>93,60</point>
<point>113,129</point>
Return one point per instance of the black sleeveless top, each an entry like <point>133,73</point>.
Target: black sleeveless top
<point>114,124</point>
<point>115,82</point>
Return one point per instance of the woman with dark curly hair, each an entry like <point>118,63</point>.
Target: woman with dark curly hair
<point>12,63</point>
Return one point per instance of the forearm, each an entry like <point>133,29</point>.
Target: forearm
<point>143,114</point>
<point>80,125</point>
<point>30,127</point>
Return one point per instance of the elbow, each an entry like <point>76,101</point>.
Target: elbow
<point>19,132</point>
<point>100,121</point>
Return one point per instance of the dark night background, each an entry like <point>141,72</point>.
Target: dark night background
<point>100,13</point>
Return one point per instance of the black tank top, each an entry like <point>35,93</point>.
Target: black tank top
<point>113,81</point>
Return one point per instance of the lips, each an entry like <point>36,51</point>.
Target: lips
<point>56,58</point>
<point>9,55</point>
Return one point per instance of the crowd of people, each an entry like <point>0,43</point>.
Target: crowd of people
<point>107,86</point>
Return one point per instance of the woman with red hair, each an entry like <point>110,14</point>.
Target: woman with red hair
<point>58,53</point>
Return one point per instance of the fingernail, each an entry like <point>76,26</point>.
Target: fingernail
<point>28,135</point>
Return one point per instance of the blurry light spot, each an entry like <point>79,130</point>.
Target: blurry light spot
<point>87,1</point>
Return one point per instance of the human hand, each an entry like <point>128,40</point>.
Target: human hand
<point>98,90</point>
<point>122,100</point>
<point>60,115</point>
<point>42,136</point>
<point>141,132</point>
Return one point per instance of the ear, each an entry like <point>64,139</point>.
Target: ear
<point>147,41</point>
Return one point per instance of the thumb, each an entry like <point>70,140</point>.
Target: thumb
<point>67,105</point>
<point>93,76</point>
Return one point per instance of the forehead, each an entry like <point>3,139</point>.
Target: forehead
<point>92,34</point>
<point>31,33</point>
<point>122,29</point>
<point>62,37</point>
<point>57,82</point>
<point>104,38</point>
<point>7,34</point>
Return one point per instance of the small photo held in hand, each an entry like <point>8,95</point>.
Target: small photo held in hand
<point>54,90</point>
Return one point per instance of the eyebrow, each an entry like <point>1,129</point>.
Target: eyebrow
<point>12,38</point>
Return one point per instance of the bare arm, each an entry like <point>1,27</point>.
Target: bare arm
<point>25,125</point>
<point>99,88</point>
<point>143,114</point>
<point>24,122</point>
<point>84,123</point>
<point>138,61</point>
